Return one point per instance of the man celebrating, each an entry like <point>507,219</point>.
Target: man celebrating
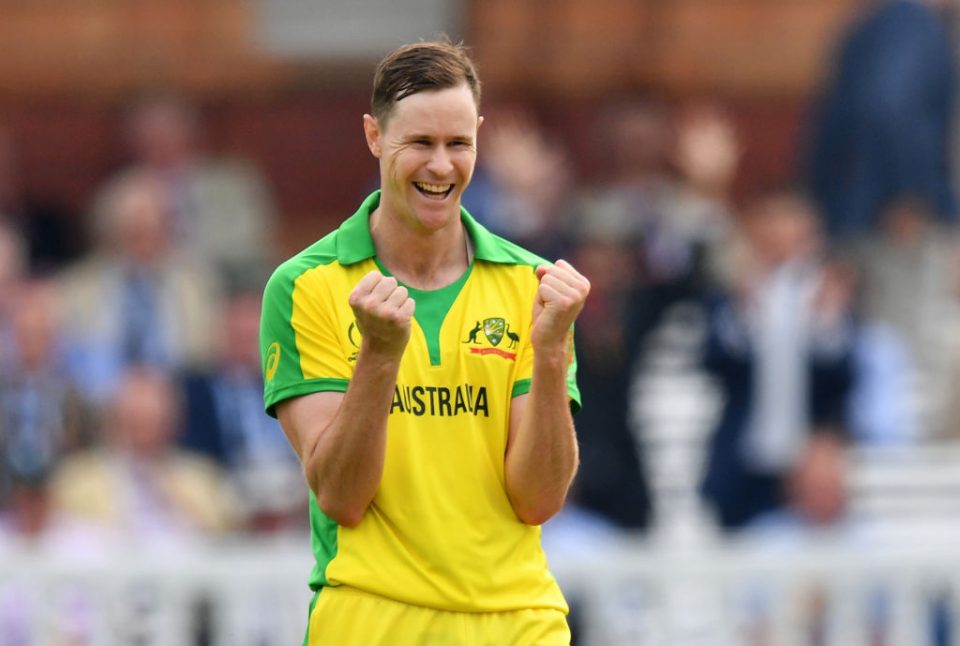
<point>431,462</point>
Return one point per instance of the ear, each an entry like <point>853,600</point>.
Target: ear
<point>479,122</point>
<point>371,130</point>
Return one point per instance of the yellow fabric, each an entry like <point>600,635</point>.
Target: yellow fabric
<point>441,532</point>
<point>347,617</point>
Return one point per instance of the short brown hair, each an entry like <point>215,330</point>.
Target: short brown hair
<point>419,67</point>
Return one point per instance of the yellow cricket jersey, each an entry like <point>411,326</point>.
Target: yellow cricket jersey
<point>440,531</point>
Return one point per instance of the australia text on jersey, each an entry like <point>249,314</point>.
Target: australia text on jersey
<point>440,401</point>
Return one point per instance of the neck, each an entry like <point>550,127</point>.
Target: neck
<point>417,259</point>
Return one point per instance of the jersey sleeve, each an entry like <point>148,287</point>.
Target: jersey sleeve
<point>299,346</point>
<point>521,385</point>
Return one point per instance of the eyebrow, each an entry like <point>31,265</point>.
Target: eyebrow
<point>416,137</point>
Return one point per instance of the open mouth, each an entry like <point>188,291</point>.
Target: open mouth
<point>433,191</point>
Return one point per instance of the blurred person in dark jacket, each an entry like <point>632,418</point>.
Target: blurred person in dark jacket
<point>882,129</point>
<point>225,421</point>
<point>612,479</point>
<point>51,234</point>
<point>780,349</point>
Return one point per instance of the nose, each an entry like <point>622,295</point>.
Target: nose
<point>440,163</point>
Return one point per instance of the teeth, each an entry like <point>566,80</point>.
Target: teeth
<point>433,188</point>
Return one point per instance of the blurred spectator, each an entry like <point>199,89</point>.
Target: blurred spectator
<point>629,200</point>
<point>221,208</point>
<point>137,298</point>
<point>881,407</point>
<point>522,183</point>
<point>31,521</point>
<point>911,284</point>
<point>225,420</point>
<point>13,267</point>
<point>140,484</point>
<point>666,189</point>
<point>42,416</point>
<point>882,130</point>
<point>780,350</point>
<point>30,614</point>
<point>707,155</point>
<point>611,481</point>
<point>52,236</point>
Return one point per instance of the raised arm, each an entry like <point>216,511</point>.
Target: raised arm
<point>542,455</point>
<point>341,438</point>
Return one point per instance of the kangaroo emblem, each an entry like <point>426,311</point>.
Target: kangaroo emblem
<point>514,339</point>
<point>473,334</point>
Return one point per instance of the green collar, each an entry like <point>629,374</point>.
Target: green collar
<point>355,244</point>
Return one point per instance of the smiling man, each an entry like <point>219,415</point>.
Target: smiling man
<point>431,460</point>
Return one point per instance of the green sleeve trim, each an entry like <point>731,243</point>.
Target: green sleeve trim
<point>304,388</point>
<point>573,390</point>
<point>522,387</point>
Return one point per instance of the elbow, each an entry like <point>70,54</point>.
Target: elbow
<point>342,512</point>
<point>537,514</point>
<point>335,506</point>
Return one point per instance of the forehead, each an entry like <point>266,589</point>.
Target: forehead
<point>435,111</point>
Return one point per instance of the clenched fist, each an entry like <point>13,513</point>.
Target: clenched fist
<point>562,293</point>
<point>383,310</point>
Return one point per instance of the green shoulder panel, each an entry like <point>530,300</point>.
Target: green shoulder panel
<point>491,247</point>
<point>279,357</point>
<point>517,255</point>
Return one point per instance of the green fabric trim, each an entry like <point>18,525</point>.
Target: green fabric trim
<point>280,359</point>
<point>573,390</point>
<point>355,244</point>
<point>323,540</point>
<point>521,387</point>
<point>432,308</point>
<point>325,384</point>
<point>313,604</point>
<point>492,248</point>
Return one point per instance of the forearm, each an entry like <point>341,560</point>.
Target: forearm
<point>345,464</point>
<point>542,456</point>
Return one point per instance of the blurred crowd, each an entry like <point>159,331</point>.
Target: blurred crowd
<point>130,382</point>
<point>131,406</point>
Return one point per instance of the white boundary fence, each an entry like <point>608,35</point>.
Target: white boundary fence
<point>670,593</point>
<point>811,593</point>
